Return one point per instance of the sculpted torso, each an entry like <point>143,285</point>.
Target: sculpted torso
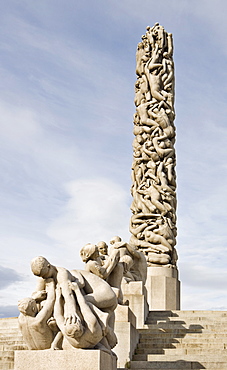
<point>36,335</point>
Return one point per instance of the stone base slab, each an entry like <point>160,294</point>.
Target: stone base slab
<point>136,293</point>
<point>163,288</point>
<point>127,335</point>
<point>75,359</point>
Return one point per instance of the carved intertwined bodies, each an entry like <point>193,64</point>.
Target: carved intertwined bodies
<point>76,305</point>
<point>120,261</point>
<point>153,169</point>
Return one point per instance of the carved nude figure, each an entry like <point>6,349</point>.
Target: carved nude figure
<point>109,269</point>
<point>163,122</point>
<point>90,330</point>
<point>33,323</point>
<point>142,110</point>
<point>103,298</point>
<point>164,180</point>
<point>137,267</point>
<point>141,58</point>
<point>162,228</point>
<point>141,203</point>
<point>42,268</point>
<point>159,259</point>
<point>168,75</point>
<point>169,165</point>
<point>141,90</point>
<point>152,71</point>
<point>103,250</point>
<point>163,146</point>
<point>144,231</point>
<point>150,191</point>
<point>93,295</point>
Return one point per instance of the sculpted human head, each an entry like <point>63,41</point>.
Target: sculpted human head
<point>169,161</point>
<point>74,330</point>
<point>140,45</point>
<point>115,239</point>
<point>137,130</point>
<point>102,247</point>
<point>168,143</point>
<point>28,306</point>
<point>128,262</point>
<point>140,139</point>
<point>41,267</point>
<point>89,251</point>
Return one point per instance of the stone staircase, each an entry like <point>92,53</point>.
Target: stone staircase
<point>10,340</point>
<point>173,340</point>
<point>182,340</point>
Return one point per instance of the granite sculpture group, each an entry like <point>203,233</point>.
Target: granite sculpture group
<point>75,309</point>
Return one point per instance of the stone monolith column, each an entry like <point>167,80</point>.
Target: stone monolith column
<point>153,223</point>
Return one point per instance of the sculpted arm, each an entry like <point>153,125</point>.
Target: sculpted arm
<point>88,315</point>
<point>64,278</point>
<point>97,269</point>
<point>40,284</point>
<point>40,294</point>
<point>58,310</point>
<point>138,229</point>
<point>111,262</point>
<point>133,251</point>
<point>48,307</point>
<point>162,152</point>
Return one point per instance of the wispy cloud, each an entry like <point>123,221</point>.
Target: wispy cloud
<point>9,276</point>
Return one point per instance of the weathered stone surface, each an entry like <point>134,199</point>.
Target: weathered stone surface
<point>182,340</point>
<point>127,335</point>
<point>136,294</point>
<point>163,288</point>
<point>77,359</point>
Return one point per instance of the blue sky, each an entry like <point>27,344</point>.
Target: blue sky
<point>67,76</point>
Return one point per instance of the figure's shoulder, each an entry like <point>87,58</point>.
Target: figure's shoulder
<point>25,321</point>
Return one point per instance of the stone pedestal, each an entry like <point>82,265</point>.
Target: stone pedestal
<point>163,288</point>
<point>76,359</point>
<point>136,293</point>
<point>127,335</point>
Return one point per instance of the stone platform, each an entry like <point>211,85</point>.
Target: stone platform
<point>163,288</point>
<point>168,340</point>
<point>75,359</point>
<point>127,335</point>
